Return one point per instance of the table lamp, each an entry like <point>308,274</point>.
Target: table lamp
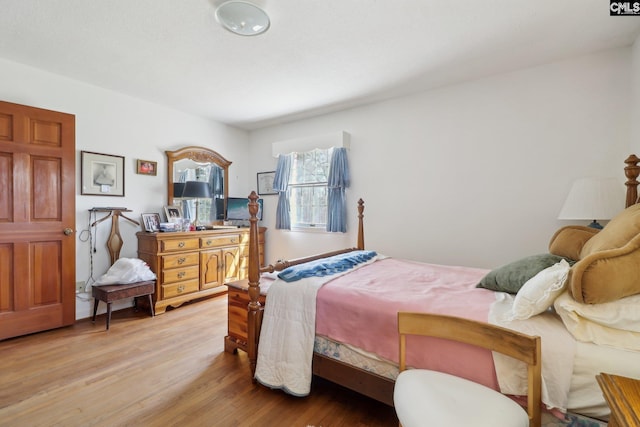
<point>178,189</point>
<point>593,199</point>
<point>197,190</point>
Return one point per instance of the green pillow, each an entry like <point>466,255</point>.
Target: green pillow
<point>510,278</point>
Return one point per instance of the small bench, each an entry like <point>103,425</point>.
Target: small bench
<point>114,292</point>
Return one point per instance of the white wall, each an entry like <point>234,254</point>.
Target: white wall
<point>111,123</point>
<point>472,174</point>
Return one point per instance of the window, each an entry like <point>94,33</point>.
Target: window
<point>308,188</point>
<point>311,188</point>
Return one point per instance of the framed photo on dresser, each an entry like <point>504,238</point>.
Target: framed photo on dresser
<point>151,222</point>
<point>173,213</point>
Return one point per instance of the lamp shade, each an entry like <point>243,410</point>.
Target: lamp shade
<point>196,190</point>
<point>178,189</point>
<point>593,199</point>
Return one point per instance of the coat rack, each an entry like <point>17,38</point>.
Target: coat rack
<point>114,242</point>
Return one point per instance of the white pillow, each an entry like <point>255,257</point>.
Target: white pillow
<point>539,292</point>
<point>623,314</point>
<point>615,324</point>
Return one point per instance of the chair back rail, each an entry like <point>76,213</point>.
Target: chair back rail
<point>491,337</point>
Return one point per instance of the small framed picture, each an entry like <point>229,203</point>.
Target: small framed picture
<point>151,222</point>
<point>101,174</point>
<point>173,213</point>
<point>147,167</point>
<point>265,183</point>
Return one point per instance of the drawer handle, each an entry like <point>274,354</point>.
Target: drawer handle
<point>233,240</point>
<point>181,245</point>
<point>181,260</point>
<point>180,288</point>
<point>181,274</point>
<point>209,242</point>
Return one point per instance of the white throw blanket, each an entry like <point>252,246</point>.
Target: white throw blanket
<point>285,349</point>
<point>558,353</point>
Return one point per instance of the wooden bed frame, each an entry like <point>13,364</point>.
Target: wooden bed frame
<point>361,381</point>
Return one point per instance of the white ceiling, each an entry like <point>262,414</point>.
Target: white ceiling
<point>318,56</point>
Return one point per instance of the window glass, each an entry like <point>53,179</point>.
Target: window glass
<point>308,189</point>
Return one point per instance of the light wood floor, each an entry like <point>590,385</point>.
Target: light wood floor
<point>164,371</point>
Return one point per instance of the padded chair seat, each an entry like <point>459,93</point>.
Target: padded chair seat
<point>424,398</point>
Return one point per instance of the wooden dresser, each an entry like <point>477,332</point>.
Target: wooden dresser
<point>195,264</point>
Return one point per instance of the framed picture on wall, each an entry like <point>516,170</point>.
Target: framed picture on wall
<point>101,174</point>
<point>265,183</point>
<point>147,167</point>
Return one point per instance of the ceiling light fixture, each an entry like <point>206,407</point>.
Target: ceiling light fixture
<point>243,18</point>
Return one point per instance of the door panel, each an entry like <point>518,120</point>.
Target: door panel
<point>45,132</point>
<point>6,126</point>
<point>45,188</point>
<point>7,301</point>
<point>6,184</point>
<point>210,263</point>
<point>45,263</point>
<point>231,264</point>
<point>37,260</point>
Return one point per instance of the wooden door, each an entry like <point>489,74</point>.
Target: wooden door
<point>37,219</point>
<point>231,259</point>
<point>218,266</point>
<point>210,268</point>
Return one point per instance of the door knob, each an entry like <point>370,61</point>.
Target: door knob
<point>68,231</point>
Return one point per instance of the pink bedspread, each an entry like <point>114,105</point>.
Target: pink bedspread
<point>360,308</point>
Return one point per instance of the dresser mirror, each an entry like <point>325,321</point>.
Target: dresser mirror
<point>202,165</point>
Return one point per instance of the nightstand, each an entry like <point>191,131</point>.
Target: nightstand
<point>237,312</point>
<point>623,397</point>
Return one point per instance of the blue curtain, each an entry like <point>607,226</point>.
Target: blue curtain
<point>281,185</point>
<point>338,180</point>
<point>216,183</point>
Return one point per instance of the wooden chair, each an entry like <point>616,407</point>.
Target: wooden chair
<point>430,398</point>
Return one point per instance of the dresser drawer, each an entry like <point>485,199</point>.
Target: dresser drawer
<point>237,313</point>
<point>180,244</point>
<point>217,241</point>
<point>179,260</point>
<point>244,238</point>
<point>180,288</point>
<point>237,323</point>
<point>180,274</point>
<point>239,298</point>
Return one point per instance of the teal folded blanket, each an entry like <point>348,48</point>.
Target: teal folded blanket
<point>326,266</point>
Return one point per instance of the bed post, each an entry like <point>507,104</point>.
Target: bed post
<point>255,310</point>
<point>360,225</point>
<point>631,171</point>
<point>254,318</point>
